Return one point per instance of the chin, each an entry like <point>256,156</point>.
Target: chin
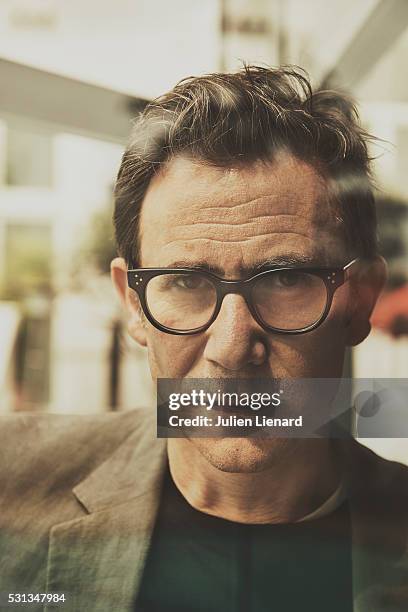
<point>244,455</point>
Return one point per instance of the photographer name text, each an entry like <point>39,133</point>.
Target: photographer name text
<point>234,421</point>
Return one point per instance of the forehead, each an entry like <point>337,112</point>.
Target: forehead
<point>236,217</point>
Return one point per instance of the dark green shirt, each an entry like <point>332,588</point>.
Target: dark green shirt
<point>201,563</point>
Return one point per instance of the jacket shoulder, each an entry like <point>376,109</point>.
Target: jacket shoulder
<point>382,477</point>
<point>40,446</point>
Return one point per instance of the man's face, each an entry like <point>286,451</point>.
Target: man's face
<point>231,221</point>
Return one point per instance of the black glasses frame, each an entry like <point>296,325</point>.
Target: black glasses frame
<point>333,278</point>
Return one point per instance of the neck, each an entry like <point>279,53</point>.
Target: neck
<point>297,483</point>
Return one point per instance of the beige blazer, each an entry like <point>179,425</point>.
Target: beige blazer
<point>79,497</point>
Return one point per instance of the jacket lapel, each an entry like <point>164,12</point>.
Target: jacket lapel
<point>97,560</point>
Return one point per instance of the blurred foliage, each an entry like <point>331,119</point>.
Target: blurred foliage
<point>28,269</point>
<point>98,247</point>
<point>102,248</point>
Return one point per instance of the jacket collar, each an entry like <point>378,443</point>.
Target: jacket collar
<point>129,472</point>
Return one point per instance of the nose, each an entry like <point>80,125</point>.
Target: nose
<point>235,340</point>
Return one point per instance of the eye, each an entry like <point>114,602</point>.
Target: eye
<point>290,278</point>
<point>189,281</point>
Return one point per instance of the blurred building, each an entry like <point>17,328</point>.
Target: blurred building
<point>53,185</point>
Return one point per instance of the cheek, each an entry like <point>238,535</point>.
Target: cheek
<point>317,354</point>
<point>172,356</point>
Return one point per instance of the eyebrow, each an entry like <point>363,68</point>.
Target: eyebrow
<point>284,260</point>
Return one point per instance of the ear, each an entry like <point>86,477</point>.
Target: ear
<point>130,301</point>
<point>366,286</point>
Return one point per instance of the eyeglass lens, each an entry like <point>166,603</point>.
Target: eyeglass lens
<point>284,299</point>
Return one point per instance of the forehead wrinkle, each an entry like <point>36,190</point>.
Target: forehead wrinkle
<point>315,214</point>
<point>240,184</point>
<point>271,195</point>
<point>277,191</point>
<point>269,243</point>
<point>246,239</point>
<point>229,231</point>
<point>251,221</point>
<point>296,204</point>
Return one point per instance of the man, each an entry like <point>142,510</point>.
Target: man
<point>243,177</point>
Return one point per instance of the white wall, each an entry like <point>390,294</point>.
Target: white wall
<point>141,47</point>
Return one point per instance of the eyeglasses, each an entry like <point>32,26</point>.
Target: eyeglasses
<point>284,300</point>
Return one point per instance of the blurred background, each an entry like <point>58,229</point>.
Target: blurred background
<point>72,75</point>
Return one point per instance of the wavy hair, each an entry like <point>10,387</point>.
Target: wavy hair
<point>238,118</point>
